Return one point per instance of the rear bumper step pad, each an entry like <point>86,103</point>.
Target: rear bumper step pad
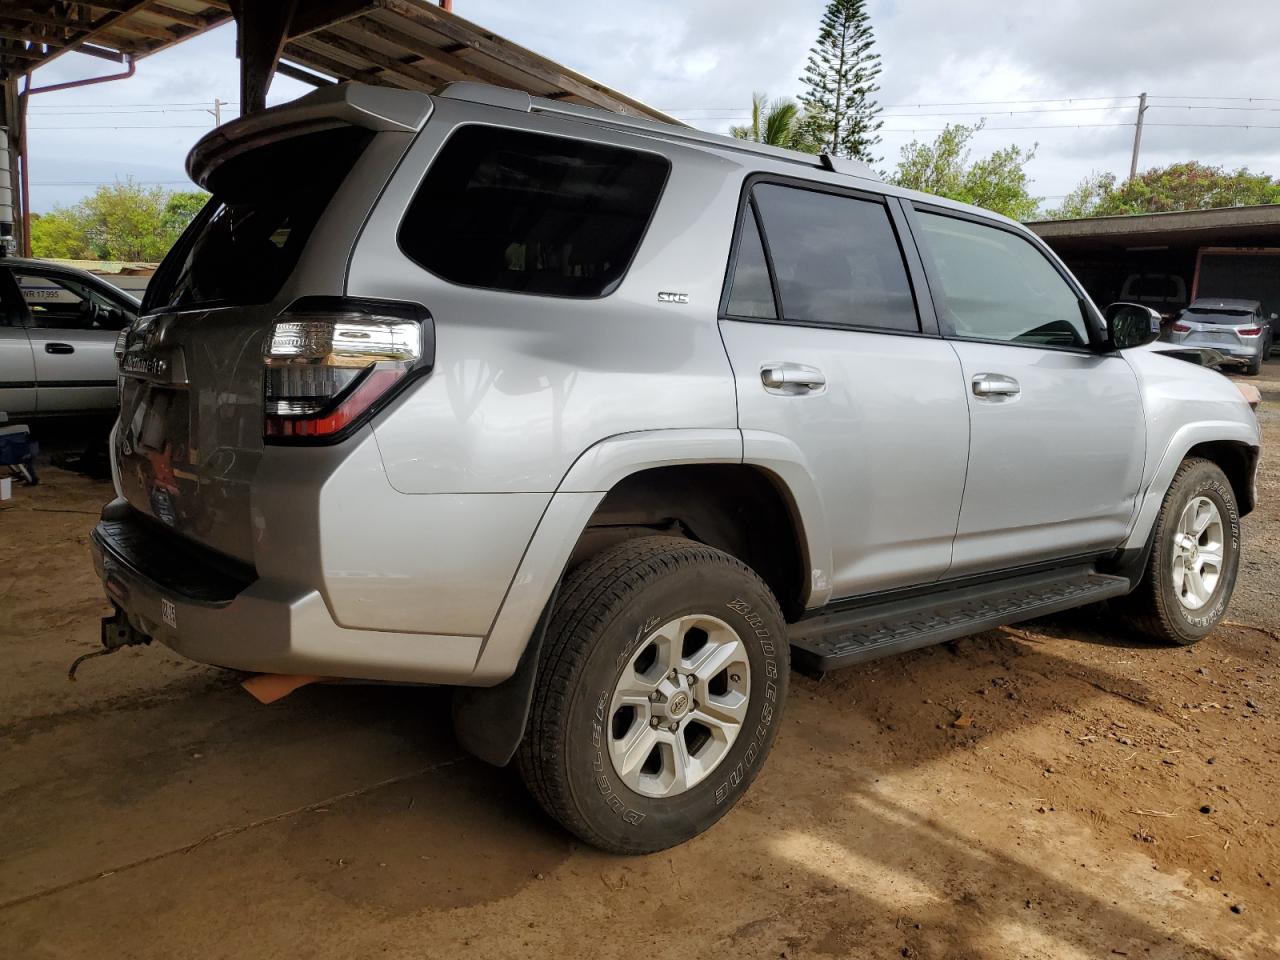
<point>840,638</point>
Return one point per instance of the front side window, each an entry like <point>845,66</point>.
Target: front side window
<point>531,213</point>
<point>997,286</point>
<point>61,304</point>
<point>836,259</point>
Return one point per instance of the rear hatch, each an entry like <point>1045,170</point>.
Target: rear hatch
<point>1215,327</point>
<point>291,188</point>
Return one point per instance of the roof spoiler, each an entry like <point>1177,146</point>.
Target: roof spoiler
<point>338,105</point>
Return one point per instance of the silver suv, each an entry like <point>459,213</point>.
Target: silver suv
<point>1236,328</point>
<point>608,424</point>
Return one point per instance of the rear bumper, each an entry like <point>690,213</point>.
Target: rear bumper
<point>1235,351</point>
<point>218,613</point>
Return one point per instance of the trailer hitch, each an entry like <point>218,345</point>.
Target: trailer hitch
<point>117,632</point>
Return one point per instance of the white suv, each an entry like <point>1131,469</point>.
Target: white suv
<point>607,423</point>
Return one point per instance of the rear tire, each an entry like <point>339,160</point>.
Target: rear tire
<point>616,747</point>
<point>1253,368</point>
<point>1181,597</point>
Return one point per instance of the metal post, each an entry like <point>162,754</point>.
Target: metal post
<point>1137,136</point>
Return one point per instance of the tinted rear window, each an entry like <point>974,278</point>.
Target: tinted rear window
<point>1228,317</point>
<point>532,213</point>
<point>836,259</point>
<point>249,236</point>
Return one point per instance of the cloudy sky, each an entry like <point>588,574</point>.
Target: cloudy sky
<point>1069,71</point>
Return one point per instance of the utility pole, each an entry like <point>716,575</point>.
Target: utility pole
<point>216,111</point>
<point>1137,136</point>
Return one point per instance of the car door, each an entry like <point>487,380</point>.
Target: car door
<point>17,367</point>
<point>1057,428</point>
<point>833,359</point>
<point>72,327</point>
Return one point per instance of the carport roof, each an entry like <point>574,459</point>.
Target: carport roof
<point>412,44</point>
<point>1255,226</point>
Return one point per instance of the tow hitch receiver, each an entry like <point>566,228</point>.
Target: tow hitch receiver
<point>117,632</point>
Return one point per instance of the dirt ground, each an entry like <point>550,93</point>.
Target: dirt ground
<point>1055,790</point>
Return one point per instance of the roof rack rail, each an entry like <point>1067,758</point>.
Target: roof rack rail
<point>516,100</point>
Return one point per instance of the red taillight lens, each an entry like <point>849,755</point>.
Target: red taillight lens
<point>1181,328</point>
<point>1248,331</point>
<point>330,362</point>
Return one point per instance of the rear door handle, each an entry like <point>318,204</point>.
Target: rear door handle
<point>790,379</point>
<point>995,386</point>
<point>59,348</point>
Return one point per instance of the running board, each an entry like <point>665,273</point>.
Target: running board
<point>843,636</point>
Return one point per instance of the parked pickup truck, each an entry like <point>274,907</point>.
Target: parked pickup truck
<point>608,423</point>
<point>58,331</point>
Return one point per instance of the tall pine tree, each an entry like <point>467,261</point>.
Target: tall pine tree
<point>841,112</point>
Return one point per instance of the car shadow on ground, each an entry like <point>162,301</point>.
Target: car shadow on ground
<point>361,796</point>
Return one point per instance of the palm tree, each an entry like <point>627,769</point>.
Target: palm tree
<point>778,124</point>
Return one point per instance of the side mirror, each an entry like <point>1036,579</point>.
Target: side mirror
<point>1131,325</point>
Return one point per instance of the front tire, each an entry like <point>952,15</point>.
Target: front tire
<point>659,694</point>
<point>1195,556</point>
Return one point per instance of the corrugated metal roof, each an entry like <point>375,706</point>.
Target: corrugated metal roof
<point>402,43</point>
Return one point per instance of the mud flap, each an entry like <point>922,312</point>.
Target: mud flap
<point>489,722</point>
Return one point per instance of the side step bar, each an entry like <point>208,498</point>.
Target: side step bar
<point>844,636</point>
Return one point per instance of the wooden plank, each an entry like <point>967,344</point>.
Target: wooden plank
<point>27,36</point>
<point>421,79</point>
<point>314,15</point>
<point>462,32</point>
<point>412,38</point>
<point>305,76</point>
<point>309,52</point>
<point>179,16</point>
<point>58,23</point>
<point>261,31</point>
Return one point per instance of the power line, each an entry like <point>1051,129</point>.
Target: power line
<point>152,126</point>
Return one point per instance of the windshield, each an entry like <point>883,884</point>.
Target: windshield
<point>1232,318</point>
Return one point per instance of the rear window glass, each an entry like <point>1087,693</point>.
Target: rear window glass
<point>246,241</point>
<point>836,259</point>
<point>531,213</point>
<point>1218,315</point>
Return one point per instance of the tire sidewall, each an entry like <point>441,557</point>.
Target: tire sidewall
<point>630,820</point>
<point>1202,481</point>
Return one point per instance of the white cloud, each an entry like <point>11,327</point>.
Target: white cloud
<point>686,54</point>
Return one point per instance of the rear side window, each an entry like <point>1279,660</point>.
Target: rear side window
<point>247,240</point>
<point>997,286</point>
<point>752,293</point>
<point>836,259</point>
<point>532,213</point>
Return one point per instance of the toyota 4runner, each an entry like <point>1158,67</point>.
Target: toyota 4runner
<point>608,423</point>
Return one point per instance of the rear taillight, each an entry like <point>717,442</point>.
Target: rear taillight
<point>1248,331</point>
<point>1181,328</point>
<point>331,362</point>
<point>121,339</point>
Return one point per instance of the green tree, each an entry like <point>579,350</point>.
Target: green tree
<point>778,124</point>
<point>840,83</point>
<point>59,235</point>
<point>1179,186</point>
<point>997,182</point>
<point>120,221</point>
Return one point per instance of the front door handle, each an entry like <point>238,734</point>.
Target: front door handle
<point>59,348</point>
<point>790,379</point>
<point>995,386</point>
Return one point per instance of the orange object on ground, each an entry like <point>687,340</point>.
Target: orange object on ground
<point>270,687</point>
